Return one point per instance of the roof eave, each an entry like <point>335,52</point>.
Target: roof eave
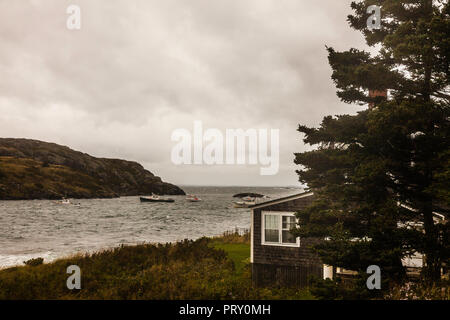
<point>281,200</point>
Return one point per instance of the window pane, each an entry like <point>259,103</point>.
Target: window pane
<point>271,226</point>
<point>288,222</point>
<point>271,221</point>
<point>288,237</point>
<point>271,235</point>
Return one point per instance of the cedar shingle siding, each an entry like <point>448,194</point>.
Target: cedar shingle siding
<point>278,265</point>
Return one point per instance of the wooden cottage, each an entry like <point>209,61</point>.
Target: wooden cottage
<point>276,256</point>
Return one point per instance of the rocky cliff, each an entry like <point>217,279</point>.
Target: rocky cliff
<point>32,169</point>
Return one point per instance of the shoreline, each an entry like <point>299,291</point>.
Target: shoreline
<point>69,255</point>
<point>207,268</point>
<point>52,230</point>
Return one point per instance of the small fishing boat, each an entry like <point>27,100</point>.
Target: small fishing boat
<point>247,202</point>
<point>65,201</point>
<point>155,198</point>
<point>193,198</point>
<point>241,204</point>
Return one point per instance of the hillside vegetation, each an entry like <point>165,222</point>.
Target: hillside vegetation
<point>201,269</point>
<point>31,169</point>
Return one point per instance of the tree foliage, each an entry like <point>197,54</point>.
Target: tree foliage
<point>379,175</point>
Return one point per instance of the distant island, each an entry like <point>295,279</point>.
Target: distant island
<point>248,194</point>
<point>32,169</point>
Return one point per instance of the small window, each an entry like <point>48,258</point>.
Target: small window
<point>277,228</point>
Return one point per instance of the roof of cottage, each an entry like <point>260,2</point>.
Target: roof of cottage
<point>281,200</point>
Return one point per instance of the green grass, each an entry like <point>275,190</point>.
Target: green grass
<point>239,253</point>
<point>237,249</point>
<point>216,268</point>
<point>236,246</point>
<point>208,268</point>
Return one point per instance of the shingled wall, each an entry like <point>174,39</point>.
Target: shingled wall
<point>278,265</point>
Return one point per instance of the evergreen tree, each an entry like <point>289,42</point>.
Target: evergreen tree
<point>379,175</point>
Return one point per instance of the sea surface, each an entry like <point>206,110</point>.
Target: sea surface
<point>49,229</point>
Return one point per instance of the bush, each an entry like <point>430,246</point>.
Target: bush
<point>34,262</point>
<point>182,270</point>
<point>354,288</point>
<point>420,291</point>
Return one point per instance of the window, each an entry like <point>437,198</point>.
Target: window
<point>276,229</point>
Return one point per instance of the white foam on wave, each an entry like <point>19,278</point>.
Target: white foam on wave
<point>18,260</point>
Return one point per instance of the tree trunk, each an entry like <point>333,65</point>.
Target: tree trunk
<point>432,269</point>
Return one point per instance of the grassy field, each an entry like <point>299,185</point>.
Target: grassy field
<point>236,246</point>
<point>208,268</point>
<point>239,253</point>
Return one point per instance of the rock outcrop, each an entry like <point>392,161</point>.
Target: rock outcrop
<point>32,169</point>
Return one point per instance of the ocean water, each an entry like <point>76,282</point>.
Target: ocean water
<point>47,229</point>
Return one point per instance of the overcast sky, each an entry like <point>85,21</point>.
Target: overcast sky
<point>139,69</point>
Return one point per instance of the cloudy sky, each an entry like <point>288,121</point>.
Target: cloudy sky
<point>139,69</point>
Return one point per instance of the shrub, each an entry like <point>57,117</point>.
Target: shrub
<point>420,291</point>
<point>183,270</point>
<point>34,262</point>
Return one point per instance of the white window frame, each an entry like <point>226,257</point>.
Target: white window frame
<point>280,214</point>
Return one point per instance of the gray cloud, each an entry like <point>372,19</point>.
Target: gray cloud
<point>139,69</point>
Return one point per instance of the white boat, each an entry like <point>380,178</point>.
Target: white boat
<point>155,198</point>
<point>65,201</point>
<point>193,198</point>
<point>247,202</point>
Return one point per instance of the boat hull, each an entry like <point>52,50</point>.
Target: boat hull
<point>144,199</point>
<point>243,204</point>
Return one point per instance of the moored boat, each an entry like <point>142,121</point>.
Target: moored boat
<point>193,198</point>
<point>65,201</point>
<point>155,198</point>
<point>244,204</point>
